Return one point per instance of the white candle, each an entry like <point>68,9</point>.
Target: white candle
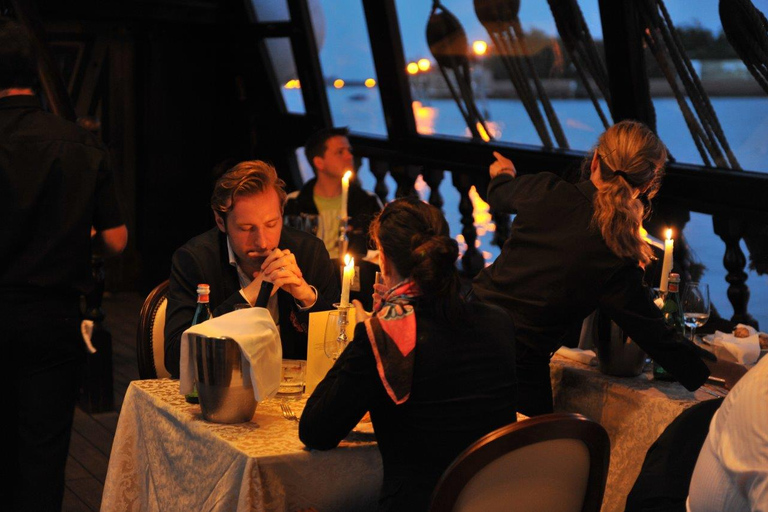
<point>666,267</point>
<point>345,193</point>
<point>346,279</point>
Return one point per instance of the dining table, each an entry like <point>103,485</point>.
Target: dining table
<point>166,457</point>
<point>633,410</point>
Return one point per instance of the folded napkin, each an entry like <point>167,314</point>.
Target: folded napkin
<point>259,339</point>
<point>743,350</point>
<point>587,357</point>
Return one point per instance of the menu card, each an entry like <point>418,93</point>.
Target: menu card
<point>318,363</point>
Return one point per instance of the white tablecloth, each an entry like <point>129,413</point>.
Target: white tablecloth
<point>634,411</point>
<point>165,457</point>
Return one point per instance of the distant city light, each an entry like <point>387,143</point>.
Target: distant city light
<point>412,68</point>
<point>293,84</point>
<point>483,132</point>
<point>338,83</point>
<point>424,64</point>
<point>479,47</point>
<point>370,82</point>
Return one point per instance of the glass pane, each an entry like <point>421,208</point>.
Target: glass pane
<point>740,104</point>
<point>281,55</point>
<point>347,64</point>
<point>509,118</point>
<point>271,10</point>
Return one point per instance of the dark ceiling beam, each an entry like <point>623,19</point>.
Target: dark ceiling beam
<point>625,62</point>
<point>307,58</point>
<point>389,60</point>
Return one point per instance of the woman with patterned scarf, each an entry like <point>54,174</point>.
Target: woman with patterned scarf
<point>435,372</point>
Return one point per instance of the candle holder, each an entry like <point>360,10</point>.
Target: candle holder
<point>343,238</point>
<point>336,339</point>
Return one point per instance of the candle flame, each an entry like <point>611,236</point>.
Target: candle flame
<point>669,234</point>
<point>347,175</point>
<point>349,261</point>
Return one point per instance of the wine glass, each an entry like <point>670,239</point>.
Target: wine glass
<point>695,305</point>
<point>336,332</point>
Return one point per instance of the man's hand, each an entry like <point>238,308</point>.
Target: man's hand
<point>281,269</point>
<point>502,165</point>
<point>251,291</point>
<point>730,372</point>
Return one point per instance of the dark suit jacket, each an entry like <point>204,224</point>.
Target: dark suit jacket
<point>556,268</point>
<point>463,388</point>
<point>204,259</point>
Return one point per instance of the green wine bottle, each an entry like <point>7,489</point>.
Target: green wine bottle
<point>673,316</point>
<point>202,313</point>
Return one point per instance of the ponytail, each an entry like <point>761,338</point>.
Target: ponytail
<point>630,162</point>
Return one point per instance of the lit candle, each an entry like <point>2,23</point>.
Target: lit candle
<point>344,193</point>
<point>666,267</point>
<point>346,279</point>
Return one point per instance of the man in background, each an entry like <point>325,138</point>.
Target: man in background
<point>57,188</point>
<point>330,155</point>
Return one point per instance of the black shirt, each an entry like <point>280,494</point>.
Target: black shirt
<point>556,268</point>
<point>56,184</point>
<point>463,387</point>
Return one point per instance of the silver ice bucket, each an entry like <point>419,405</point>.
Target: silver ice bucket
<point>617,354</point>
<point>223,380</point>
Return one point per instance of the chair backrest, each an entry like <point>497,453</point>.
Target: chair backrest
<point>150,339</point>
<point>552,463</point>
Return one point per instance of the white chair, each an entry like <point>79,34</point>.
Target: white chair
<point>150,338</point>
<point>550,463</point>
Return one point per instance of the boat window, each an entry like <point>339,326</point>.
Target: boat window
<point>281,55</point>
<point>347,64</point>
<point>526,81</point>
<point>732,133</point>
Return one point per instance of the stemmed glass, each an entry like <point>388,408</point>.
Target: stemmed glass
<point>695,305</point>
<point>337,332</point>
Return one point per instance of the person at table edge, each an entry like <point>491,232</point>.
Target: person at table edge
<point>330,155</point>
<point>573,248</point>
<point>59,203</point>
<point>249,245</point>
<point>435,372</point>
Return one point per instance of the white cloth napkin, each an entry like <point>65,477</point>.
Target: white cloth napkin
<point>744,350</point>
<point>587,357</point>
<point>259,339</point>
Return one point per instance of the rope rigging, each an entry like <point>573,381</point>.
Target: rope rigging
<point>582,51</point>
<point>499,17</point>
<point>666,46</point>
<point>448,44</point>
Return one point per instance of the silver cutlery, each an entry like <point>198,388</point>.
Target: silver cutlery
<point>288,412</point>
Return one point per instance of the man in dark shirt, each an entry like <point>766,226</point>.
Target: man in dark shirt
<point>58,188</point>
<point>248,246</point>
<point>330,155</point>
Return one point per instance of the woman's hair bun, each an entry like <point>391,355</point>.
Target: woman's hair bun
<point>434,261</point>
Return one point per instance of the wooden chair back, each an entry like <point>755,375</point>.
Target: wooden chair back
<point>552,463</point>
<point>150,338</point>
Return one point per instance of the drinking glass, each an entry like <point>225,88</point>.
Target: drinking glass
<point>336,333</point>
<point>695,305</point>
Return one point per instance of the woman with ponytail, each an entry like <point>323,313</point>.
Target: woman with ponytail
<point>435,372</point>
<point>573,248</point>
